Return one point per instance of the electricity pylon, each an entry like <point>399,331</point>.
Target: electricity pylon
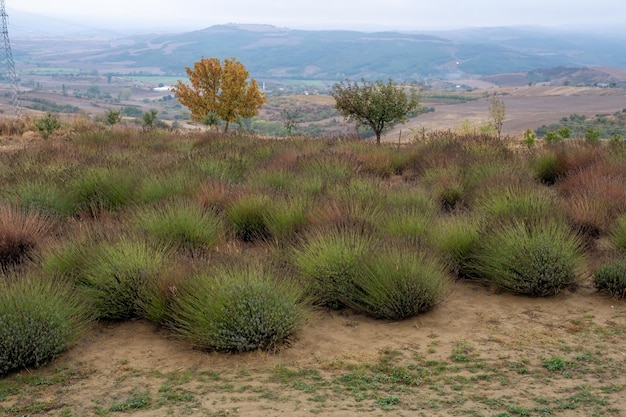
<point>7,58</point>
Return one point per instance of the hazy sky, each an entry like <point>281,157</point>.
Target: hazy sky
<point>331,14</point>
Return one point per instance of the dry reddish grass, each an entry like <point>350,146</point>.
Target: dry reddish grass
<point>20,233</point>
<point>594,192</point>
<point>216,195</point>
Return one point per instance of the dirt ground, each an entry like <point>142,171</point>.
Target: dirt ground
<point>116,361</point>
<point>471,312</point>
<point>526,108</point>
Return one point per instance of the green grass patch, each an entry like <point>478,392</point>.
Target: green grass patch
<point>181,224</point>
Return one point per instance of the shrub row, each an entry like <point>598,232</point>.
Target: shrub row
<point>375,229</point>
<point>346,268</point>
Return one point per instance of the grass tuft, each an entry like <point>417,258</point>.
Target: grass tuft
<point>20,234</point>
<point>116,273</point>
<point>237,309</point>
<point>399,283</point>
<point>101,189</point>
<point>536,260</point>
<point>331,260</point>
<point>518,203</point>
<point>617,233</point>
<point>181,224</point>
<point>247,217</point>
<point>611,278</point>
<point>456,238</point>
<point>547,167</point>
<point>39,318</point>
<point>44,196</point>
<point>285,218</point>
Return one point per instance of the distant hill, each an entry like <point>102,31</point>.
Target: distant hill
<point>279,53</point>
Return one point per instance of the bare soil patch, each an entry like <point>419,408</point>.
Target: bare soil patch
<point>526,108</point>
<point>479,353</point>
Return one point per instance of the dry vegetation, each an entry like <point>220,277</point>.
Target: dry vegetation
<point>362,279</point>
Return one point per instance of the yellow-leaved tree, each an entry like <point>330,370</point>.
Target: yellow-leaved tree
<point>219,92</point>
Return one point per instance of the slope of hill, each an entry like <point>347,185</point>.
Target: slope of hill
<point>279,53</point>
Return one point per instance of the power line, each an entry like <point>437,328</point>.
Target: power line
<point>8,59</point>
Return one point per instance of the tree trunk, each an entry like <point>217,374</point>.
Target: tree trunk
<point>377,137</point>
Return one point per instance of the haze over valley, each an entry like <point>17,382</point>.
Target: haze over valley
<point>65,66</point>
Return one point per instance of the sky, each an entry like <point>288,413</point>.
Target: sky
<point>366,15</point>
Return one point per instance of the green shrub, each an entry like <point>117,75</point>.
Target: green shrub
<point>275,180</point>
<point>592,136</point>
<point>237,310</point>
<point>247,217</point>
<point>537,260</point>
<point>165,185</point>
<point>47,124</point>
<point>618,233</point>
<point>529,139</point>
<point>39,319</point>
<point>181,224</point>
<point>330,261</point>
<point>611,278</point>
<point>399,283</point>
<point>114,276</point>
<point>44,196</point>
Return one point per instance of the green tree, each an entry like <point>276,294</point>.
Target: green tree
<point>290,118</point>
<point>552,137</point>
<point>93,91</point>
<point>375,104</point>
<point>113,116</point>
<point>497,112</point>
<point>124,94</point>
<point>529,138</point>
<point>222,90</point>
<point>592,136</point>
<point>564,132</point>
<point>617,138</point>
<point>150,118</point>
<point>47,124</point>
